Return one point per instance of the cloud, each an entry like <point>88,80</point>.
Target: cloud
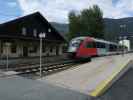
<point>57,10</point>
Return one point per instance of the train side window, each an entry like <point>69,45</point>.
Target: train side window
<point>112,47</point>
<point>97,44</point>
<point>90,45</point>
<point>103,45</point>
<point>100,45</point>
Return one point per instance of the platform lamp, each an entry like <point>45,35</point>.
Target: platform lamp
<point>41,36</point>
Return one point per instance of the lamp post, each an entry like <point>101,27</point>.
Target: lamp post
<point>7,55</point>
<point>41,35</point>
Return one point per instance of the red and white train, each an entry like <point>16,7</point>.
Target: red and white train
<point>86,47</point>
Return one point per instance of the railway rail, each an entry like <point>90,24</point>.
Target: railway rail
<point>47,69</point>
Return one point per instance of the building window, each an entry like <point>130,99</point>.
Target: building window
<point>1,48</point>
<point>51,49</point>
<point>13,48</point>
<point>33,49</point>
<point>35,33</point>
<point>64,49</point>
<point>24,31</point>
<point>49,30</point>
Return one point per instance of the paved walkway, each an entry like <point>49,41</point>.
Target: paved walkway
<point>92,78</point>
<point>18,88</point>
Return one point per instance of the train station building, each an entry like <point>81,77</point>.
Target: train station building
<point>20,37</point>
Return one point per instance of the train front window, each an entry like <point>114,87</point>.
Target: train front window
<point>76,43</point>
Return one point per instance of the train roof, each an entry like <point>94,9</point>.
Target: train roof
<point>78,38</point>
<point>104,41</point>
<point>95,39</point>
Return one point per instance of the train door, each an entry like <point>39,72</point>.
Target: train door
<point>91,48</point>
<point>87,49</point>
<point>25,51</point>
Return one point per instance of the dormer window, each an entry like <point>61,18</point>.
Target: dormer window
<point>35,33</point>
<point>49,30</point>
<point>24,31</point>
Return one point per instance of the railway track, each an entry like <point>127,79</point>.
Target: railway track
<point>47,69</point>
<point>33,68</point>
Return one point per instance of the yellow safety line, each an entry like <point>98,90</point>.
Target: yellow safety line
<point>104,85</point>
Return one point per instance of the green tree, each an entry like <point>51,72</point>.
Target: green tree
<point>86,20</point>
<point>74,22</point>
<point>88,23</point>
<point>98,25</point>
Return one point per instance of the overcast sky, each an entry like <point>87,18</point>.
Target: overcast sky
<point>57,10</point>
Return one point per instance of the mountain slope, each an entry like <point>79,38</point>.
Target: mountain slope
<point>116,27</point>
<point>112,27</point>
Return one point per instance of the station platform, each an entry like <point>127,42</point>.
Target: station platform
<point>92,78</point>
<point>19,88</point>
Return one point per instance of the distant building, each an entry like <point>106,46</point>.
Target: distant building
<point>126,43</point>
<point>127,39</point>
<point>21,37</point>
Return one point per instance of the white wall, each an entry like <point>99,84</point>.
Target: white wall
<point>125,43</point>
<point>19,50</point>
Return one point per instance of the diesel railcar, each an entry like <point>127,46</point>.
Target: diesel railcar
<point>86,47</point>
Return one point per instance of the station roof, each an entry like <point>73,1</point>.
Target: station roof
<point>34,24</point>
